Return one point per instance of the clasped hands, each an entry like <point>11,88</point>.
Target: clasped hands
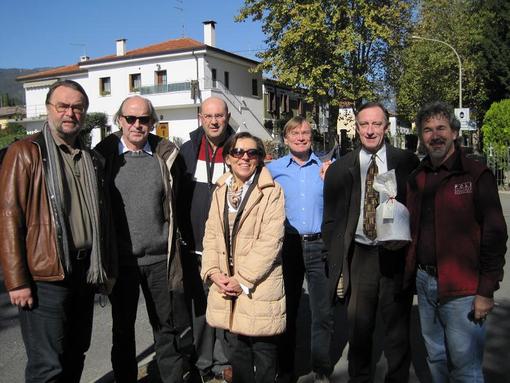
<point>228,285</point>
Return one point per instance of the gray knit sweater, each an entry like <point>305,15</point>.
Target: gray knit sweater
<point>144,231</point>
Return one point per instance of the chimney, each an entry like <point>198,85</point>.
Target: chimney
<point>121,47</point>
<point>210,33</point>
<point>84,58</point>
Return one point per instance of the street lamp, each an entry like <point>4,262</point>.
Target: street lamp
<point>456,54</point>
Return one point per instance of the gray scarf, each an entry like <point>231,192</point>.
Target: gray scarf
<point>96,273</point>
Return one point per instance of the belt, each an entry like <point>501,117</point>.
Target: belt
<point>310,237</point>
<point>80,255</point>
<point>429,269</point>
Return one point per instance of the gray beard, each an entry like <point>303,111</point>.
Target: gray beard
<point>64,135</point>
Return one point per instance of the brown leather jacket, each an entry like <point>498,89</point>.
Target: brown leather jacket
<point>29,230</point>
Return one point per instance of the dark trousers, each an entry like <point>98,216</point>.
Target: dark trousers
<point>373,287</point>
<point>302,258</point>
<point>253,359</point>
<point>57,330</point>
<point>209,342</point>
<point>124,300</point>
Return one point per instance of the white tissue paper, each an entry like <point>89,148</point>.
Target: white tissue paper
<point>392,217</point>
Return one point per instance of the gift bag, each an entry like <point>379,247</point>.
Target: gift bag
<point>392,217</point>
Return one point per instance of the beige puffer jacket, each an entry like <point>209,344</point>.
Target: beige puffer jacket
<point>257,261</point>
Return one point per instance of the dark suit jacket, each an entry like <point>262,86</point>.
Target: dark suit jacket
<point>342,199</point>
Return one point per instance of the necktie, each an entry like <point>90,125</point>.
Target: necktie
<point>371,201</point>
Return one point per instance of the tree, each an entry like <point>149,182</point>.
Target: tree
<point>495,48</point>
<point>430,70</point>
<point>93,120</point>
<point>336,50</point>
<point>480,33</point>
<point>496,128</point>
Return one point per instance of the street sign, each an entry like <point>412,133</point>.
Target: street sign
<point>463,115</point>
<point>323,118</point>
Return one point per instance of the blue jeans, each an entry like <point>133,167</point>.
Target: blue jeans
<point>454,342</point>
<point>304,258</point>
<point>320,306</point>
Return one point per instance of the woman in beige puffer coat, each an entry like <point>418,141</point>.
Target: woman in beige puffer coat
<point>242,245</point>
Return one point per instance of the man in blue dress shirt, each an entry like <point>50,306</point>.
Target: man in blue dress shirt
<point>300,173</point>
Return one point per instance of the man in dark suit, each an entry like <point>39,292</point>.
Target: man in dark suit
<point>361,271</point>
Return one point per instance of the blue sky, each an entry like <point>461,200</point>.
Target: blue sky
<point>48,33</point>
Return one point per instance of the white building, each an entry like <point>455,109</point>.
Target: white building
<point>176,75</point>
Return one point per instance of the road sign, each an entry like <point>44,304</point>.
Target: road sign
<point>323,118</point>
<point>463,115</point>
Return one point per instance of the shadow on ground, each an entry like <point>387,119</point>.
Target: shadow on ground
<point>146,374</point>
<point>496,362</point>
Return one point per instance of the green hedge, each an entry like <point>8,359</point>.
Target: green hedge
<point>8,139</point>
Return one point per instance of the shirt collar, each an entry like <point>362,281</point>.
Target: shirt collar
<point>380,154</point>
<point>124,149</point>
<point>313,158</point>
<point>64,146</point>
<point>448,165</point>
<point>246,184</point>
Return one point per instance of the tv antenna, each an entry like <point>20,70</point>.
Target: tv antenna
<point>180,8</point>
<point>83,45</point>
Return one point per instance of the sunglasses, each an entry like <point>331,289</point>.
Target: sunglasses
<point>239,153</point>
<point>143,119</point>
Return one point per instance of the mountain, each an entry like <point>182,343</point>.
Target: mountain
<point>9,85</point>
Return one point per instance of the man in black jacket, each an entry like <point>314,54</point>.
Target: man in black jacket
<point>371,274</point>
<point>203,164</point>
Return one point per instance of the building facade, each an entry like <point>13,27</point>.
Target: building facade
<point>176,75</point>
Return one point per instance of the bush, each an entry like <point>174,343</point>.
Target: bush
<point>16,129</point>
<point>12,131</point>
<point>496,128</point>
<point>7,140</point>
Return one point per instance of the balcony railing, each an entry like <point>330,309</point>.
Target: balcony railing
<point>166,88</point>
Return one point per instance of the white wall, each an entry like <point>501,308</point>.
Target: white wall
<point>247,111</point>
<point>180,69</point>
<point>180,121</point>
<point>178,108</point>
<point>35,97</point>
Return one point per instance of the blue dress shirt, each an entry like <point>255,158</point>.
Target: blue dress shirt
<point>302,186</point>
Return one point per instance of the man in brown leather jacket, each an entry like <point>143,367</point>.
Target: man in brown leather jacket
<point>52,237</point>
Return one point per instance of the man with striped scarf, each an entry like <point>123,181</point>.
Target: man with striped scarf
<point>53,237</point>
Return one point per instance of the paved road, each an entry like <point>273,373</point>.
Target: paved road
<point>98,370</point>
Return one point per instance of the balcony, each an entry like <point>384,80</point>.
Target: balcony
<point>166,88</point>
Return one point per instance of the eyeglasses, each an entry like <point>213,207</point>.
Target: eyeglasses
<point>144,120</point>
<point>297,133</point>
<point>211,116</point>
<point>62,108</point>
<point>239,153</point>
<point>366,124</point>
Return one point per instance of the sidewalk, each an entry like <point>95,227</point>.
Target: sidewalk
<point>98,366</point>
<point>496,366</point>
